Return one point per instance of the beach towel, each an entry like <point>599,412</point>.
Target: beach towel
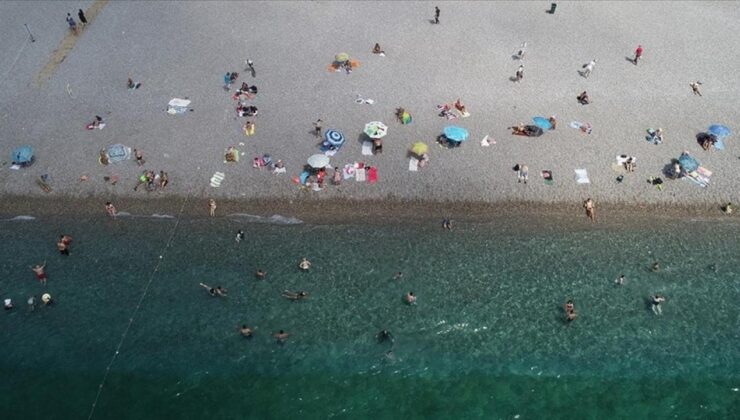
<point>367,148</point>
<point>177,106</point>
<point>360,172</point>
<point>331,152</point>
<point>701,176</point>
<point>349,171</point>
<point>487,142</point>
<point>622,159</point>
<point>547,175</point>
<point>582,176</point>
<point>372,175</point>
<point>216,179</point>
<point>413,164</point>
<point>465,114</point>
<point>278,170</point>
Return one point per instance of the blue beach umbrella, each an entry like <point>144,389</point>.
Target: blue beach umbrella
<point>688,163</point>
<point>22,155</point>
<point>455,133</point>
<point>334,137</point>
<point>719,130</point>
<point>542,123</point>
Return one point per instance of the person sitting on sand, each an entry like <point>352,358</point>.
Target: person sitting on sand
<point>676,170</point>
<point>553,122</point>
<point>460,107</point>
<point>727,209</point>
<point>583,98</point>
<point>629,164</point>
<point>217,291</point>
<point>305,264</point>
<point>424,161</point>
<point>231,154</point>
<point>377,50</point>
<point>246,331</point>
<point>295,295</point>
<point>410,298</point>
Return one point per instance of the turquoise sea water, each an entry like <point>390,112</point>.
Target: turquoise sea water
<point>486,339</point>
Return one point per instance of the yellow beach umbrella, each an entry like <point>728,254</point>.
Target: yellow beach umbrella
<point>419,148</point>
<point>341,57</point>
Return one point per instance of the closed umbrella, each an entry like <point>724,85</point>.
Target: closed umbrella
<point>334,137</point>
<point>455,133</point>
<point>22,155</point>
<point>419,148</point>
<point>376,130</point>
<point>318,161</point>
<point>542,123</point>
<point>341,57</point>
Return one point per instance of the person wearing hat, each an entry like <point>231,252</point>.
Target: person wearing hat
<point>8,304</point>
<point>46,298</point>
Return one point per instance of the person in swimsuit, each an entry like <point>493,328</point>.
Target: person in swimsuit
<point>281,336</point>
<point>260,274</point>
<point>384,335</point>
<point>40,273</point>
<point>63,244</point>
<point>305,264</point>
<point>246,331</point>
<point>590,209</point>
<point>410,298</point>
<point>656,301</point>
<point>295,295</point>
<point>214,291</point>
<point>239,235</point>
<point>655,267</point>
<point>570,311</point>
<point>620,280</point>
<point>110,209</point>
<point>212,207</point>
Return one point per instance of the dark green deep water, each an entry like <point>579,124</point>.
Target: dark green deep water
<point>486,339</point>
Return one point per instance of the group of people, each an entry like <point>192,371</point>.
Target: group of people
<point>151,180</point>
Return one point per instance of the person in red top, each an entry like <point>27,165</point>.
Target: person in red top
<point>638,54</point>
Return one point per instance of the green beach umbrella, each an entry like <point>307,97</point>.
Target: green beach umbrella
<point>419,148</point>
<point>341,57</point>
<point>376,130</point>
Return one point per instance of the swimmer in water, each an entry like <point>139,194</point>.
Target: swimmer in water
<point>656,301</point>
<point>260,274</point>
<point>570,311</point>
<point>655,268</point>
<point>447,224</point>
<point>32,303</point>
<point>64,243</point>
<point>295,295</point>
<point>9,304</point>
<point>239,236</point>
<point>246,331</point>
<point>305,264</point>
<point>281,336</point>
<point>384,335</point>
<point>214,291</point>
<point>398,276</point>
<point>40,273</point>
<point>410,298</point>
<point>620,280</point>
<point>46,298</point>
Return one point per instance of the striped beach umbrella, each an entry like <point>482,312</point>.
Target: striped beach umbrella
<point>334,137</point>
<point>376,130</point>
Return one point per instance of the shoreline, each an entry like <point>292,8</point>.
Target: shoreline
<point>376,212</point>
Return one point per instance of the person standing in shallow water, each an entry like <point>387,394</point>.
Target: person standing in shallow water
<point>590,208</point>
<point>212,207</point>
<point>111,209</point>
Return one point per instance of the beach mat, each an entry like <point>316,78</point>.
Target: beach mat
<point>413,164</point>
<point>582,176</point>
<point>216,179</point>
<point>367,148</point>
<point>372,175</point>
<point>701,176</point>
<point>349,171</point>
<point>360,175</point>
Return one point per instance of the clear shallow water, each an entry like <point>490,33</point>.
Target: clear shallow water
<point>485,340</point>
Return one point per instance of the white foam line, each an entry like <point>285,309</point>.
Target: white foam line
<point>132,318</point>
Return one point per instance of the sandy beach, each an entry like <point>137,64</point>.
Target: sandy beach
<point>183,49</point>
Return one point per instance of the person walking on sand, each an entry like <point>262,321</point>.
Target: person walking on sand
<point>317,128</point>
<point>522,49</point>
<point>40,273</point>
<point>436,14</point>
<point>212,207</point>
<point>523,173</point>
<point>520,73</point>
<point>163,180</point>
<point>638,54</point>
<point>110,209</point>
<point>590,209</point>
<point>588,68</point>
<point>139,157</point>
<point>81,16</point>
<point>695,87</point>
<point>72,24</point>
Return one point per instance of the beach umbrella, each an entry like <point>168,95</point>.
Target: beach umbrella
<point>719,130</point>
<point>455,133</point>
<point>542,123</point>
<point>376,130</point>
<point>318,161</point>
<point>22,155</point>
<point>341,57</point>
<point>688,163</point>
<point>334,137</point>
<point>419,148</point>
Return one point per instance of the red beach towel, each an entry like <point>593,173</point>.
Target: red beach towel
<point>372,175</point>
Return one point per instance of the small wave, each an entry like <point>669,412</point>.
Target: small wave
<point>19,218</point>
<point>162,216</point>
<point>275,219</point>
<point>123,214</point>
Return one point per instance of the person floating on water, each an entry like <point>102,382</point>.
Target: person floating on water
<point>40,273</point>
<point>64,243</point>
<point>46,298</point>
<point>398,276</point>
<point>655,267</point>
<point>620,280</point>
<point>305,264</point>
<point>239,235</point>
<point>260,274</point>
<point>383,336</point>
<point>214,291</point>
<point>246,331</point>
<point>656,301</point>
<point>570,311</point>
<point>281,336</point>
<point>447,224</point>
<point>295,295</point>
<point>410,298</point>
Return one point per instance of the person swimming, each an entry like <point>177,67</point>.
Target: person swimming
<point>260,274</point>
<point>46,298</point>
<point>383,336</point>
<point>397,276</point>
<point>655,267</point>
<point>570,311</point>
<point>295,295</point>
<point>656,301</point>
<point>281,336</point>
<point>305,264</point>
<point>410,298</point>
<point>214,291</point>
<point>246,331</point>
<point>239,236</point>
<point>620,280</point>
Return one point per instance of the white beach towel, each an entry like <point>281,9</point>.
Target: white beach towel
<point>486,142</point>
<point>349,171</point>
<point>622,159</point>
<point>331,152</point>
<point>413,164</point>
<point>216,179</point>
<point>367,148</point>
<point>360,175</point>
<point>582,176</point>
<point>278,170</point>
